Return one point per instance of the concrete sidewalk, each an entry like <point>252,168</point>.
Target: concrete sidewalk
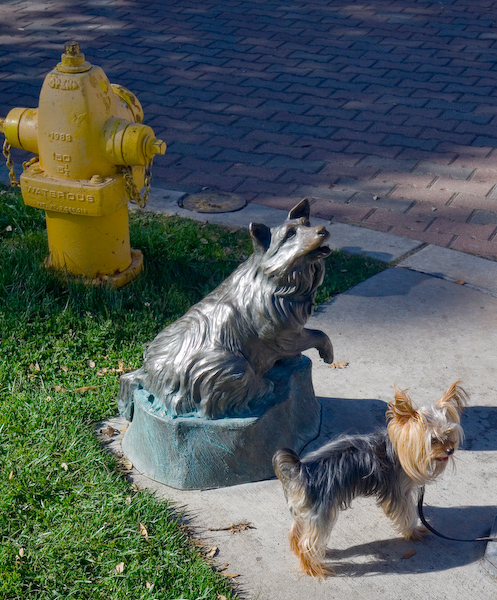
<point>422,324</point>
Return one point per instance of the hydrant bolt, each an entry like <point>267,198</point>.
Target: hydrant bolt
<point>158,147</point>
<point>72,48</point>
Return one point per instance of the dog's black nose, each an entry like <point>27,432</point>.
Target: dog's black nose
<point>449,451</point>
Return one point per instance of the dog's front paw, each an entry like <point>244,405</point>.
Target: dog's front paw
<point>327,354</point>
<point>416,534</point>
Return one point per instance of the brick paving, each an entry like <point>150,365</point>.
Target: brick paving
<point>383,113</point>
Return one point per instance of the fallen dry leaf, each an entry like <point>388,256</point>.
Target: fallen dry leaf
<point>237,528</point>
<point>211,552</point>
<point>64,368</point>
<point>120,367</point>
<point>22,552</point>
<point>64,466</point>
<point>35,366</point>
<point>125,465</point>
<point>143,531</point>
<point>339,365</point>
<point>88,388</point>
<point>221,597</point>
<point>108,431</point>
<point>410,553</point>
<point>230,575</point>
<point>59,388</point>
<point>11,475</point>
<point>243,526</point>
<point>149,585</point>
<point>91,364</point>
<point>119,568</point>
<point>103,371</point>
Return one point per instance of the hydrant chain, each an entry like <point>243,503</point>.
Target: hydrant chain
<point>10,165</point>
<point>133,192</point>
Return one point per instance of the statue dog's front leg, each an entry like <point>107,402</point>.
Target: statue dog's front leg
<point>315,338</point>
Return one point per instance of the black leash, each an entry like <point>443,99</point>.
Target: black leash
<point>445,537</point>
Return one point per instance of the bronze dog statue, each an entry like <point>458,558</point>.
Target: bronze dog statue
<point>211,362</point>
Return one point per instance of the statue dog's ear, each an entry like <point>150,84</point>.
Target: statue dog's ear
<point>303,209</point>
<point>261,236</point>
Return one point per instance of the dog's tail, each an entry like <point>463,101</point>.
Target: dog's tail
<point>286,466</point>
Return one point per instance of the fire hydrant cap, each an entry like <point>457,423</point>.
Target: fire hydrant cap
<point>73,60</point>
<point>157,146</point>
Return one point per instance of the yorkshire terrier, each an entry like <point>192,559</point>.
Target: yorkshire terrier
<point>391,464</point>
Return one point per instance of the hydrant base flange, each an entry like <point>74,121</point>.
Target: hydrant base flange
<point>118,280</point>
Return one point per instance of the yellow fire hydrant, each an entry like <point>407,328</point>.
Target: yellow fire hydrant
<point>95,155</point>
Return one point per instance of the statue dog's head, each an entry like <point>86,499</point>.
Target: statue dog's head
<point>287,251</point>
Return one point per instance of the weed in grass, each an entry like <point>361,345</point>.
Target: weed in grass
<point>69,522</point>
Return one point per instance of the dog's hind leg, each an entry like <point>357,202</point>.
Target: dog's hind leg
<point>308,538</point>
<point>223,384</point>
<point>312,523</point>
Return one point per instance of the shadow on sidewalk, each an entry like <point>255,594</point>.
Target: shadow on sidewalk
<point>396,555</point>
<point>352,415</point>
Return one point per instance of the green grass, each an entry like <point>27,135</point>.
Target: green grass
<point>67,515</point>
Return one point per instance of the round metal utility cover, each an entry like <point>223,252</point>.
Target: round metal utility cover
<point>211,202</point>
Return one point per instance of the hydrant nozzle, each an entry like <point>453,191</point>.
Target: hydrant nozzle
<point>157,146</point>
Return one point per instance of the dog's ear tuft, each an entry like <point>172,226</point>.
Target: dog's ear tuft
<point>303,209</point>
<point>401,408</point>
<point>453,401</point>
<point>261,236</point>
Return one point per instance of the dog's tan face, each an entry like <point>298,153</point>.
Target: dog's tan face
<point>443,444</point>
<point>426,439</point>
